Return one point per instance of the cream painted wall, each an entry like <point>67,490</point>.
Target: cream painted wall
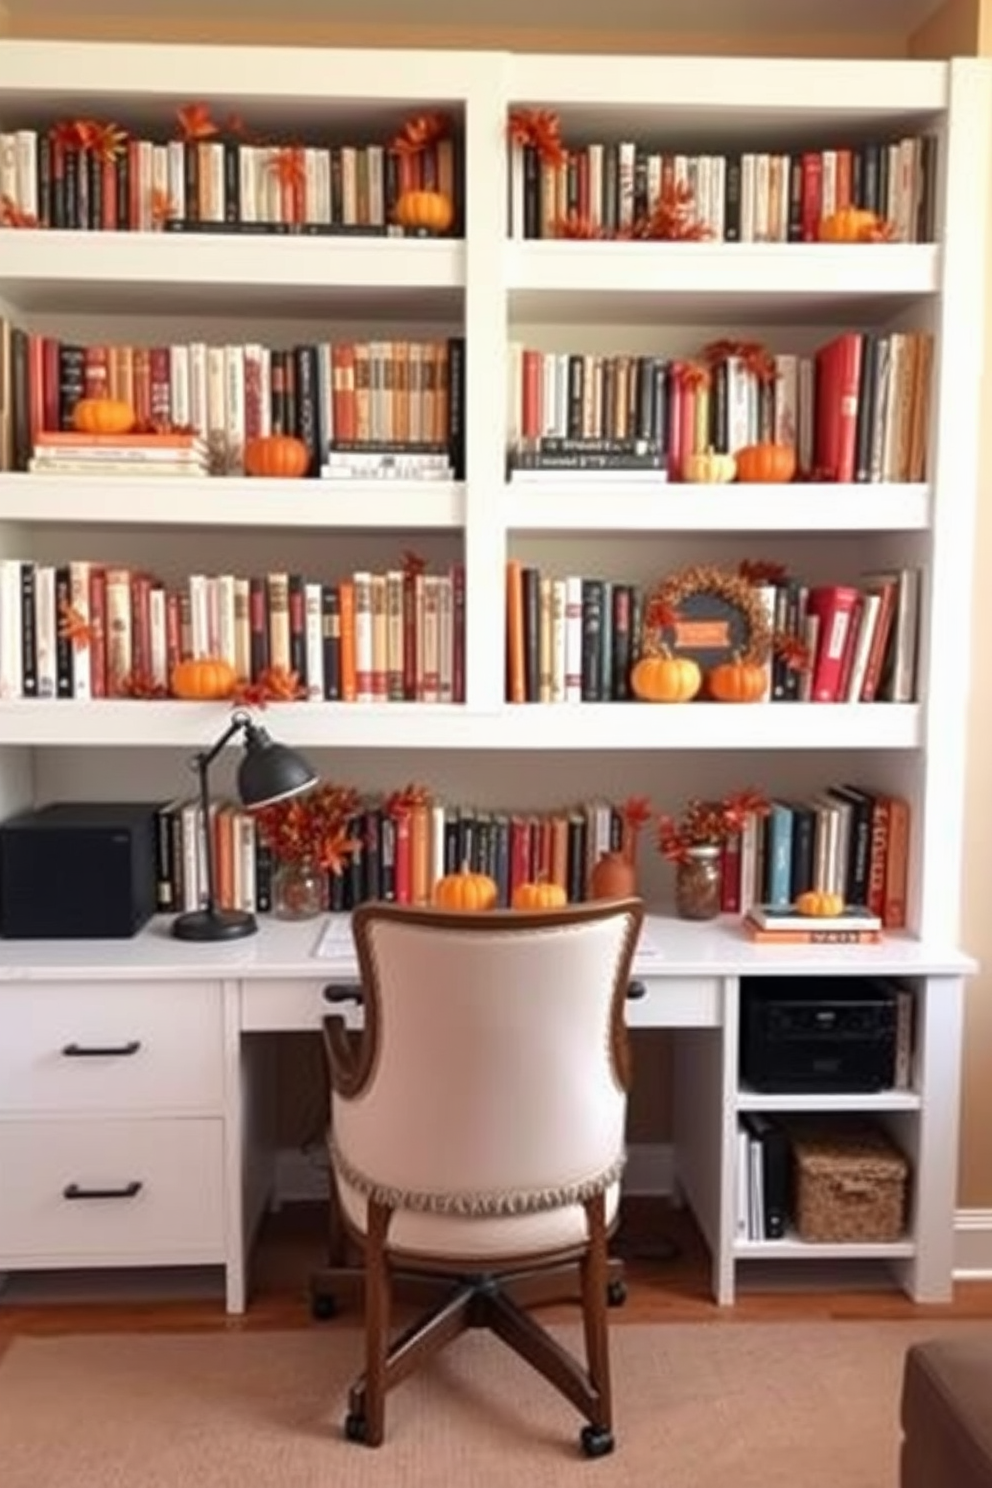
<point>959,27</point>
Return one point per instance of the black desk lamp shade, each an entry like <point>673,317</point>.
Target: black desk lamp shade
<point>268,772</point>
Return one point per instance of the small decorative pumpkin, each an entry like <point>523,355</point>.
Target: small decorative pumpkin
<point>425,212</point>
<point>206,679</point>
<point>666,679</point>
<point>103,416</point>
<point>849,225</point>
<point>613,877</point>
<point>766,464</point>
<point>277,457</point>
<point>541,894</point>
<point>709,469</point>
<point>465,891</point>
<point>737,681</point>
<point>820,905</point>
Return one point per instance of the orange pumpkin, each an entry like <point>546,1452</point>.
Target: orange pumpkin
<point>849,225</point>
<point>103,416</point>
<point>277,457</point>
<point>666,679</point>
<point>465,891</point>
<point>819,904</point>
<point>206,679</point>
<point>766,464</point>
<point>541,894</point>
<point>737,681</point>
<point>425,211</point>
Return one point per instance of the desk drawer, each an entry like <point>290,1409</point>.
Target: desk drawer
<point>677,1002</point>
<point>111,1192</point>
<point>111,1046</point>
<point>286,1005</point>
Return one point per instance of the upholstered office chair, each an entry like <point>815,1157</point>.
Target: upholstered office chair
<point>477,1132</point>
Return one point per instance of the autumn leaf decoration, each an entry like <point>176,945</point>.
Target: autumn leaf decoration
<point>578,228</point>
<point>287,165</point>
<point>408,799</point>
<point>413,564</point>
<point>673,218</point>
<point>195,122</point>
<point>660,619</point>
<point>753,357</point>
<point>11,215</point>
<point>313,828</point>
<point>106,140</point>
<point>762,571</point>
<point>792,651</point>
<point>275,685</point>
<point>74,627</point>
<point>163,208</point>
<point>419,133</point>
<point>540,130</point>
<point>139,685</point>
<point>691,376</point>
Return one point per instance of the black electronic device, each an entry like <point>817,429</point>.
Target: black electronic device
<point>78,869</point>
<point>818,1034</point>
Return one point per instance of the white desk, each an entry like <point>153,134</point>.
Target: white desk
<point>132,1071</point>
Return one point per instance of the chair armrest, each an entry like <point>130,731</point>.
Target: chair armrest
<point>347,1059</point>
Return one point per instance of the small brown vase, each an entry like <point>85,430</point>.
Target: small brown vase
<point>613,878</point>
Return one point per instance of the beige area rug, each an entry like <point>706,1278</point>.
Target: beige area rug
<point>708,1405</point>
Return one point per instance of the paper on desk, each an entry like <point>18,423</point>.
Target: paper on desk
<point>336,944</point>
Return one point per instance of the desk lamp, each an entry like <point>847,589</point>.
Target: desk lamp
<point>268,772</point>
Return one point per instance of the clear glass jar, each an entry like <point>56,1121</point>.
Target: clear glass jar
<point>698,884</point>
<point>297,891</point>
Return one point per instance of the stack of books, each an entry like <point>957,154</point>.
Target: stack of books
<point>119,454</point>
<point>774,926</point>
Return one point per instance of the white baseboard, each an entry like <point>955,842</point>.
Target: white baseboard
<point>973,1245</point>
<point>302,1176</point>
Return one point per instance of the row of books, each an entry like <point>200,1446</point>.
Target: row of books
<point>81,631</point>
<point>740,197</point>
<point>53,179</point>
<point>845,840</point>
<point>354,404</point>
<point>577,639</point>
<point>857,409</point>
<point>400,856</point>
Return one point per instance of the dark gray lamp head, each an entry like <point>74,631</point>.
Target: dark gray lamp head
<point>270,772</point>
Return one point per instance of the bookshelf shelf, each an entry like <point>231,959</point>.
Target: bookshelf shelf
<point>885,1100</point>
<point>192,501</point>
<point>584,727</point>
<point>209,273</point>
<point>718,283</point>
<point>604,507</point>
<point>791,1249</point>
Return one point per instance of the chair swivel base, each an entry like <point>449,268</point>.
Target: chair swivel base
<point>488,1302</point>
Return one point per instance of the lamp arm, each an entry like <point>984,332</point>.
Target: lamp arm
<point>240,723</point>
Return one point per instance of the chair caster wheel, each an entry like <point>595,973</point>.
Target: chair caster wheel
<point>596,1441</point>
<point>616,1293</point>
<point>322,1307</point>
<point>356,1428</point>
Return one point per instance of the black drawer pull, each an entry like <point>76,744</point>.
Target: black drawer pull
<point>102,1051</point>
<point>635,990</point>
<point>344,992</point>
<point>128,1191</point>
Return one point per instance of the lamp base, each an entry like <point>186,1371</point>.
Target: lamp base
<point>214,924</point>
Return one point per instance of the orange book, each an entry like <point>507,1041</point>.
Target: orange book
<point>515,681</point>
<point>349,665</point>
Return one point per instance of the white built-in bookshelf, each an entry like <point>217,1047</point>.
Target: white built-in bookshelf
<point>500,290</point>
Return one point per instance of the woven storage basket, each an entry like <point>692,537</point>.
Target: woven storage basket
<point>850,1186</point>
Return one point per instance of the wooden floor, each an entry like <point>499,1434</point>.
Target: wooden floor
<point>659,1289</point>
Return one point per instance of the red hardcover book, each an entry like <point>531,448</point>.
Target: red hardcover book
<point>812,194</point>
<point>404,859</point>
<point>730,876</point>
<point>838,373</point>
<point>98,632</point>
<point>833,605</point>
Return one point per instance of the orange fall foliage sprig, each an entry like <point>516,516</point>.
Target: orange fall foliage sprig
<point>707,823</point>
<point>540,130</point>
<point>406,800</point>
<point>313,828</point>
<point>673,219</point>
<point>275,685</point>
<point>753,356</point>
